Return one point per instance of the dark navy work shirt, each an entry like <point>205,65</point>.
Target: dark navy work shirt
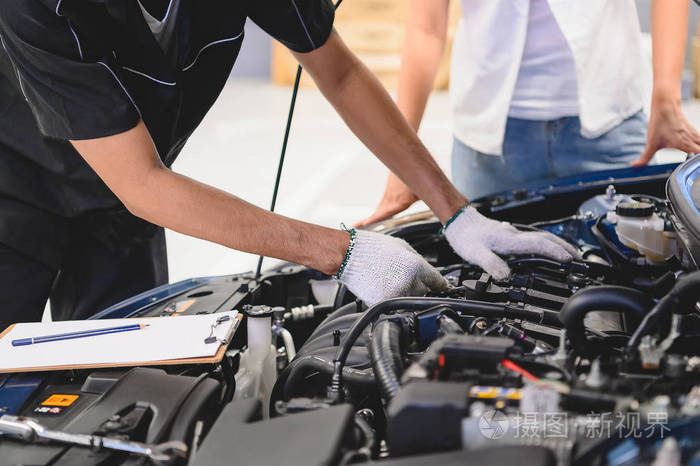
<point>84,69</point>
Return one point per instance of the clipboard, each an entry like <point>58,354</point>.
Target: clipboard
<point>236,319</point>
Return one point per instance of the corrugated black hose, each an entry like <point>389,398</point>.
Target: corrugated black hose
<point>385,354</point>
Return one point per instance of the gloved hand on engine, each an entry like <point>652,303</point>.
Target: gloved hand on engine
<point>478,240</point>
<point>378,267</point>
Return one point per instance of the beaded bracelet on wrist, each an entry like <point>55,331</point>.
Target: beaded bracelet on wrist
<point>452,219</point>
<point>351,246</point>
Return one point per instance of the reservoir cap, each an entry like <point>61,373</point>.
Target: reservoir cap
<point>257,311</point>
<point>634,209</point>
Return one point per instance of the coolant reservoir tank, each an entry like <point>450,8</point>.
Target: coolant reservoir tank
<point>257,368</point>
<point>640,228</point>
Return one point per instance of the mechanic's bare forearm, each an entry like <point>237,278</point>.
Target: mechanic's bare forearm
<point>371,114</point>
<point>196,209</point>
<point>669,25</point>
<point>128,164</point>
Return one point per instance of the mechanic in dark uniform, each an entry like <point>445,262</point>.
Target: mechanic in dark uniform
<point>98,97</point>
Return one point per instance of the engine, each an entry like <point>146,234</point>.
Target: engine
<point>596,361</point>
<point>593,361</point>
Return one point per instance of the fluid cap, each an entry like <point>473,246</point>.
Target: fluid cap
<point>257,311</point>
<point>634,209</point>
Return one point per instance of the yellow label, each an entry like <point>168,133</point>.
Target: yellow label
<point>60,400</point>
<point>487,392</point>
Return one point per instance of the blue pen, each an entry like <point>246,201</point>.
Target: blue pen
<point>73,335</point>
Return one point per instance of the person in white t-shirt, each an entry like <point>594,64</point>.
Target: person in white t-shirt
<point>544,88</point>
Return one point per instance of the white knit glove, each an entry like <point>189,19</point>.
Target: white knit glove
<point>478,239</point>
<point>378,267</point>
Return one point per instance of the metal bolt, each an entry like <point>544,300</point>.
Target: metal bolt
<point>610,192</point>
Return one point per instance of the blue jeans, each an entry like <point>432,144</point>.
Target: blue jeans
<point>541,150</point>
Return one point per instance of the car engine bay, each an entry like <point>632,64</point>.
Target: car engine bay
<point>596,361</point>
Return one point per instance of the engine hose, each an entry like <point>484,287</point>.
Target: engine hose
<point>478,308</point>
<point>359,358</point>
<point>384,347</point>
<point>288,341</point>
<point>448,325</point>
<point>660,286</point>
<point>599,298</point>
<point>327,340</point>
<point>611,251</point>
<point>309,363</point>
<point>341,296</point>
<point>534,261</point>
<point>681,298</point>
<point>349,308</point>
<point>339,323</point>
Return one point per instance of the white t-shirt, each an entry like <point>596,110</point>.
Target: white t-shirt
<point>546,87</point>
<point>612,72</point>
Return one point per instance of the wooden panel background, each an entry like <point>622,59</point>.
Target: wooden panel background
<point>374,30</point>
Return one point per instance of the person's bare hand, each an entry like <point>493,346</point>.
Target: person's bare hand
<point>668,127</point>
<point>397,198</point>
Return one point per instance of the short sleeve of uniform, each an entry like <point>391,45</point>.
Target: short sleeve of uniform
<point>301,25</point>
<point>70,95</point>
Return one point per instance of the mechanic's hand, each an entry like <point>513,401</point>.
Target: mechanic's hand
<point>478,239</point>
<point>397,198</point>
<point>668,127</point>
<point>379,267</point>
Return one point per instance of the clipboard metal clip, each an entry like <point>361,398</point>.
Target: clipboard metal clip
<point>213,338</point>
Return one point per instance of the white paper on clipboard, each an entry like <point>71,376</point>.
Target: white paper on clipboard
<point>165,338</point>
